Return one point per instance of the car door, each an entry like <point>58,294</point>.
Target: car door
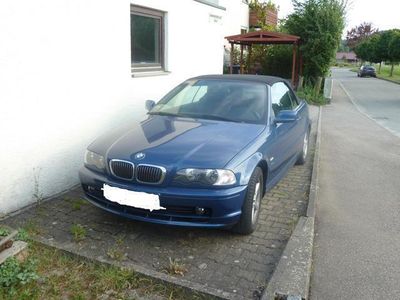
<point>301,124</point>
<point>284,134</point>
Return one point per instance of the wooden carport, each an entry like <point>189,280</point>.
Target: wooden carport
<point>265,38</point>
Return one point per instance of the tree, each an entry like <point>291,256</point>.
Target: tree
<point>359,33</point>
<point>394,49</point>
<point>343,47</point>
<point>362,50</point>
<point>383,46</point>
<point>367,49</point>
<point>320,24</point>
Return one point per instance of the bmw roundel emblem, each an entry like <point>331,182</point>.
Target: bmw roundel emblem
<point>140,155</point>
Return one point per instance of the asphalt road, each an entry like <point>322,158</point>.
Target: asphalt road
<point>378,99</point>
<point>357,242</point>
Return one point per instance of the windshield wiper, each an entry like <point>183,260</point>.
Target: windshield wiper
<point>193,115</point>
<point>210,117</point>
<point>163,113</point>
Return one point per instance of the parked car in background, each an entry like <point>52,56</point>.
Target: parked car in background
<point>366,71</point>
<point>204,157</point>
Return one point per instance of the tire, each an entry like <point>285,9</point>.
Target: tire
<point>252,204</point>
<point>304,151</point>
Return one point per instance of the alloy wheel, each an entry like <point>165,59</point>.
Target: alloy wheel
<point>305,146</point>
<point>256,202</point>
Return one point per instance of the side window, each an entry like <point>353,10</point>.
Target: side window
<point>281,98</point>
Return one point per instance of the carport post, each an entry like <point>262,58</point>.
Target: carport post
<point>231,66</point>
<point>249,59</point>
<point>294,64</point>
<point>241,58</point>
<point>300,64</point>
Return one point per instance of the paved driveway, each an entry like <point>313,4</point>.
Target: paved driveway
<point>214,259</point>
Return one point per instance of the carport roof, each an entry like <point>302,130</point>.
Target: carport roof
<point>263,37</point>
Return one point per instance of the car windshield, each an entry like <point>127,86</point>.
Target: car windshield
<point>224,100</point>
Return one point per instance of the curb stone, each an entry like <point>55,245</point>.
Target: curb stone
<point>208,291</point>
<point>388,80</point>
<point>17,248</point>
<point>291,278</point>
<point>313,195</point>
<point>292,275</point>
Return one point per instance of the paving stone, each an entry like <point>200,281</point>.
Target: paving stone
<point>217,258</point>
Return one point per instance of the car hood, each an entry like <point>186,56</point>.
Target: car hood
<point>178,142</point>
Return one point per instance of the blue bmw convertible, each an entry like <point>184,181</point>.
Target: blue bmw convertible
<point>204,156</point>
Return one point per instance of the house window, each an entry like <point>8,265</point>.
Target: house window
<point>213,3</point>
<point>147,47</point>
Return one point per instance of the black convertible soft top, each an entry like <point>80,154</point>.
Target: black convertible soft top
<point>270,80</point>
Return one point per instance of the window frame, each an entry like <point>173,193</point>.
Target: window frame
<point>155,14</point>
<point>210,3</point>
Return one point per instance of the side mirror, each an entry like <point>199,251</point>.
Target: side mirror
<point>149,104</point>
<point>286,116</point>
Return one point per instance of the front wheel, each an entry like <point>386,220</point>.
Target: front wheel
<point>304,151</point>
<point>252,204</point>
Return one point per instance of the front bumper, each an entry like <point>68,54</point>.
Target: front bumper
<point>222,206</point>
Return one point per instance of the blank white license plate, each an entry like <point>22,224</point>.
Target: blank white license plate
<point>131,198</point>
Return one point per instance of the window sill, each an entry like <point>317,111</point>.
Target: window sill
<point>149,74</point>
<point>211,4</point>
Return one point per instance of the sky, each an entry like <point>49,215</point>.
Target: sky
<point>384,14</point>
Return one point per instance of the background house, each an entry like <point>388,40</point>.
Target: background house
<point>348,57</point>
<point>70,70</point>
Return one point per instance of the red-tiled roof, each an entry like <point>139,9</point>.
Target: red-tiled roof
<point>346,55</point>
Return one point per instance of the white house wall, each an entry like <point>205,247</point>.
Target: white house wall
<point>65,77</point>
<point>237,17</point>
<point>237,13</point>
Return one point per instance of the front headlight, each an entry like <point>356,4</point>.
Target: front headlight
<point>206,176</point>
<point>94,160</point>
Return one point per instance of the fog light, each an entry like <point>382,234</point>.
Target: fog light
<point>91,188</point>
<point>200,210</point>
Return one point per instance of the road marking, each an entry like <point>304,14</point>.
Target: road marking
<point>362,111</point>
